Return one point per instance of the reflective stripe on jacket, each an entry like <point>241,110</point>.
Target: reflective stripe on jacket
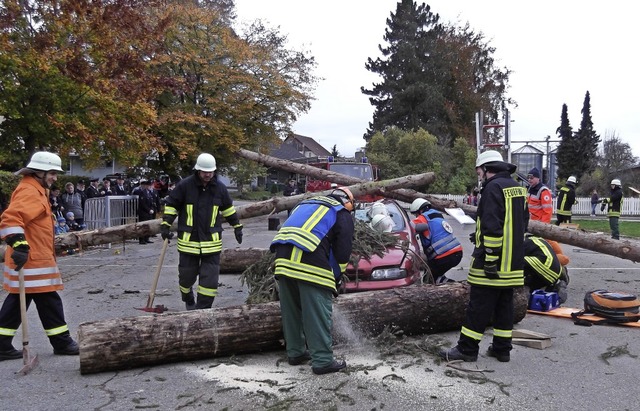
<point>502,218</point>
<point>541,261</point>
<point>566,200</point>
<point>197,208</point>
<point>614,202</point>
<point>29,213</point>
<point>540,203</point>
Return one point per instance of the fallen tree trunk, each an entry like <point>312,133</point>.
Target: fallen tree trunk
<point>146,340</point>
<point>82,239</point>
<point>402,194</point>
<point>236,260</point>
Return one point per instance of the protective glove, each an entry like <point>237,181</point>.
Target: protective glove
<point>491,271</point>
<point>165,232</point>
<point>603,206</point>
<point>238,232</point>
<point>20,256</point>
<point>472,238</point>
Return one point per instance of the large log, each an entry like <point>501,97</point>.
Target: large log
<point>147,340</point>
<point>402,194</point>
<point>82,239</point>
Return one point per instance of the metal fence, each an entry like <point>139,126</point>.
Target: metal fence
<point>630,206</point>
<point>110,211</point>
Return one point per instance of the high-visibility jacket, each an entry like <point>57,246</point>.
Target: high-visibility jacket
<point>198,208</point>
<point>502,218</point>
<point>540,203</point>
<point>29,213</point>
<point>318,230</point>
<point>614,202</point>
<point>566,200</point>
<point>541,261</point>
<point>438,241</point>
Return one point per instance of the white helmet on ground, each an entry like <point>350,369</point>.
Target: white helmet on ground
<point>377,208</point>
<point>382,223</point>
<point>489,156</point>
<point>572,179</point>
<point>42,161</point>
<point>418,204</point>
<point>205,162</point>
<point>616,182</point>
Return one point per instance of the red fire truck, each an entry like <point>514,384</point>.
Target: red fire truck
<point>358,169</point>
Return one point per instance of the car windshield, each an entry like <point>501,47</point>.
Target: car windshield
<point>394,212</point>
<point>359,170</point>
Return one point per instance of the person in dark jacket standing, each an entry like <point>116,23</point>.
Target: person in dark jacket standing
<point>72,201</point>
<point>93,190</point>
<point>312,249</point>
<point>199,201</point>
<point>595,200</point>
<point>614,207</point>
<point>497,261</point>
<point>146,206</point>
<point>565,201</point>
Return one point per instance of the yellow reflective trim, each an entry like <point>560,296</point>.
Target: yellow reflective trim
<point>315,218</point>
<point>189,211</point>
<point>471,334</point>
<point>8,332</point>
<point>185,290</point>
<point>57,331</point>
<point>502,333</point>
<point>227,211</point>
<point>214,215</point>
<point>209,292</point>
<point>168,210</point>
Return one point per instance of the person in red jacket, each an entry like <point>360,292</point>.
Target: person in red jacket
<point>27,228</point>
<point>539,198</point>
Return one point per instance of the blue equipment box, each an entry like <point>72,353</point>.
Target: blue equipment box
<point>543,301</point>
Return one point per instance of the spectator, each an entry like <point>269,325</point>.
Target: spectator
<point>539,198</point>
<point>61,226</point>
<point>80,189</point>
<point>73,223</point>
<point>106,187</point>
<point>93,190</point>
<point>595,200</point>
<point>54,199</point>
<point>72,202</point>
<point>146,206</point>
<point>120,188</point>
<point>290,190</point>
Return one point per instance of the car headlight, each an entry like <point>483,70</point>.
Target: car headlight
<point>392,273</point>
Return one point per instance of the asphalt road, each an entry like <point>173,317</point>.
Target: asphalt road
<point>585,368</point>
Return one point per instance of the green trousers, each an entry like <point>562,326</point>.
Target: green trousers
<point>306,320</point>
<point>615,227</point>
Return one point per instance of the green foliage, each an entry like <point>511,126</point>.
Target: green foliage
<point>434,77</point>
<point>8,183</point>
<point>398,153</point>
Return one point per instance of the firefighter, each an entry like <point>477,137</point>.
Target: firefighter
<point>497,261</point>
<point>312,249</point>
<point>614,207</point>
<point>27,227</point>
<point>199,201</point>
<point>566,200</point>
<point>539,198</point>
<point>542,267</point>
<point>440,246</point>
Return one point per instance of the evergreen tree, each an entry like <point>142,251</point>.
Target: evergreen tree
<point>587,138</point>
<point>568,153</point>
<point>434,77</point>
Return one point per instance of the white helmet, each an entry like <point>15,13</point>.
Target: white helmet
<point>572,179</point>
<point>418,204</point>
<point>382,223</point>
<point>42,161</point>
<point>206,162</point>
<point>489,156</point>
<point>377,208</point>
<point>616,182</point>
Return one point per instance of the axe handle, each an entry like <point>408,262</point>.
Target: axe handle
<point>154,284</point>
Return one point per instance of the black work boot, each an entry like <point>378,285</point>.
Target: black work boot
<point>64,345</point>
<point>455,354</point>
<point>500,356</point>
<point>189,300</point>
<point>7,352</point>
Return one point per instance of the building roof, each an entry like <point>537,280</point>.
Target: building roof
<point>285,151</point>
<point>308,144</point>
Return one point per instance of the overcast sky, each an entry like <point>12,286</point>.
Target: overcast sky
<point>558,50</point>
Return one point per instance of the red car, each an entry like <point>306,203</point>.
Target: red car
<point>396,268</point>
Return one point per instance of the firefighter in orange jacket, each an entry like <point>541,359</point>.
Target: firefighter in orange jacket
<point>539,198</point>
<point>27,228</point>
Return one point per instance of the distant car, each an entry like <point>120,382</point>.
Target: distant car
<point>396,268</point>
